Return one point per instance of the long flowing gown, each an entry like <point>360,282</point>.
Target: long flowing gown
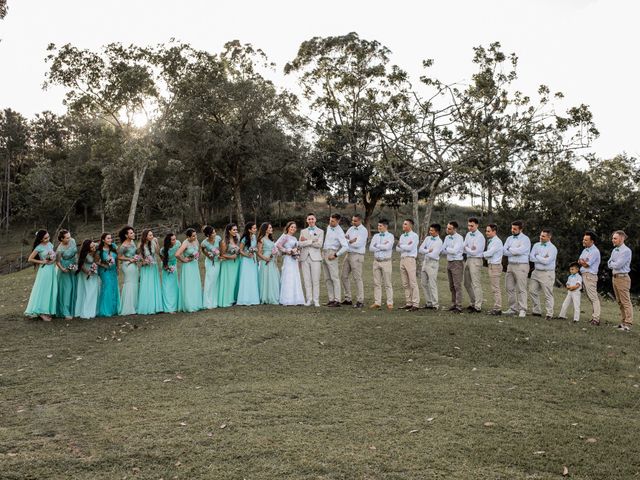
<point>109,299</point>
<point>44,294</point>
<point>268,275</point>
<point>87,290</point>
<point>190,284</point>
<point>170,287</point>
<point>149,293</point>
<point>131,276</point>
<point>248,288</point>
<point>228,282</point>
<point>67,281</point>
<point>212,273</point>
<point>291,285</point>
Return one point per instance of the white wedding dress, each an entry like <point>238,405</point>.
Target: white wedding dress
<point>290,283</point>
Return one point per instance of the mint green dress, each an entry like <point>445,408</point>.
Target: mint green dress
<point>131,277</point>
<point>87,290</point>
<point>248,289</point>
<point>211,273</point>
<point>67,281</point>
<point>228,282</point>
<point>170,285</point>
<point>190,283</point>
<point>44,294</point>
<point>109,298</point>
<point>269,275</point>
<point>149,291</point>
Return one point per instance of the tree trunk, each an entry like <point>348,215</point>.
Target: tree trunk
<point>8,202</point>
<point>426,219</point>
<point>237,203</point>
<point>138,177</point>
<point>415,210</point>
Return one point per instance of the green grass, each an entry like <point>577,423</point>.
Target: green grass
<point>275,392</point>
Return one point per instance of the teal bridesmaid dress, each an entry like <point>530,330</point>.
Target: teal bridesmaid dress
<point>248,289</point>
<point>131,277</point>
<point>44,294</point>
<point>212,273</point>
<point>68,280</point>
<point>190,283</point>
<point>149,291</point>
<point>228,281</point>
<point>109,298</point>
<point>87,290</point>
<point>170,286</point>
<point>269,275</point>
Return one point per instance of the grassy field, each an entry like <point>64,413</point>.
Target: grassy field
<point>298,393</point>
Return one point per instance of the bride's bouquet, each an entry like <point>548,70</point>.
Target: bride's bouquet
<point>295,253</point>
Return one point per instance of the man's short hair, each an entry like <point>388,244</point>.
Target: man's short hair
<point>311,214</point>
<point>473,220</point>
<point>337,216</point>
<point>517,223</point>
<point>620,233</point>
<point>547,231</point>
<point>384,222</point>
<point>436,227</point>
<point>454,224</point>
<point>410,220</point>
<point>591,234</point>
<point>493,227</point>
<point>357,215</point>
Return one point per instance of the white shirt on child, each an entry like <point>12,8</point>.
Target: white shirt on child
<point>574,279</point>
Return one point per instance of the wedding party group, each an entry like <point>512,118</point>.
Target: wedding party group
<point>243,270</point>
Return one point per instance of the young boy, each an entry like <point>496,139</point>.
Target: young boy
<point>574,284</point>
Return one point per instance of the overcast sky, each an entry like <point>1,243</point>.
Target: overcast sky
<point>589,49</point>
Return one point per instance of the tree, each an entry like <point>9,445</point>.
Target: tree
<point>3,9</point>
<point>14,146</point>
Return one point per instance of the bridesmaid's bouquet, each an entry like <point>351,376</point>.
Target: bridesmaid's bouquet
<point>149,260</point>
<point>93,270</point>
<point>72,268</point>
<point>110,261</point>
<point>51,256</point>
<point>171,269</point>
<point>136,258</point>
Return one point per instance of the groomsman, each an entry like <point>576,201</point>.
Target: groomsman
<point>408,248</point>
<point>589,262</point>
<point>543,254</point>
<point>473,247</point>
<point>311,239</point>
<point>354,259</point>
<point>453,247</point>
<point>430,248</point>
<point>493,255</point>
<point>516,249</point>
<point>335,245</point>
<point>382,248</point>
<point>620,263</point>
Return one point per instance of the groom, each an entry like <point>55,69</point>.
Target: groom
<point>311,239</point>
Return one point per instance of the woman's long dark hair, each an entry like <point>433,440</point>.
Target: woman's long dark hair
<point>262,232</point>
<point>165,249</point>
<point>208,230</point>
<point>40,234</point>
<point>143,242</point>
<point>101,245</point>
<point>122,234</point>
<point>246,235</point>
<point>84,251</point>
<point>227,233</point>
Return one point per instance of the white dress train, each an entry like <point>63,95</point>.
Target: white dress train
<point>290,285</point>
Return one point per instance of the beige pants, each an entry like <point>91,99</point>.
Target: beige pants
<point>311,277</point>
<point>542,281</point>
<point>590,287</point>
<point>516,286</point>
<point>409,281</point>
<point>382,276</point>
<point>495,277</point>
<point>472,280</point>
<point>352,265</point>
<point>455,272</point>
<point>573,297</point>
<point>429,281</point>
<point>621,286</point>
<point>331,275</point>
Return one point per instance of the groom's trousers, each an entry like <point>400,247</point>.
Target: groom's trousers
<point>311,276</point>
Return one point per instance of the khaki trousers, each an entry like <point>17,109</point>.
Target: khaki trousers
<point>455,272</point>
<point>573,297</point>
<point>331,270</point>
<point>311,277</point>
<point>495,277</point>
<point>542,281</point>
<point>382,276</point>
<point>409,281</point>
<point>352,265</point>
<point>590,287</point>
<point>472,280</point>
<point>516,286</point>
<point>621,286</point>
<point>429,281</point>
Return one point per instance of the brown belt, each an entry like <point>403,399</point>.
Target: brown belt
<point>620,275</point>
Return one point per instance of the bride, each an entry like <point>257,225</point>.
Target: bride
<point>290,286</point>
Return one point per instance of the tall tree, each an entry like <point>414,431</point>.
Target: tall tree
<point>14,146</point>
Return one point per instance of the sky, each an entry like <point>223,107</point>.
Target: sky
<point>588,49</point>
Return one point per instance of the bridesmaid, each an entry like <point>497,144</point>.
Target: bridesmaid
<point>227,284</point>
<point>190,286</point>
<point>109,298</point>
<point>88,285</point>
<point>211,249</point>
<point>127,254</point>
<point>170,288</point>
<point>149,292</point>
<point>43,300</point>
<point>268,275</point>
<point>248,290</point>
<point>67,266</point>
